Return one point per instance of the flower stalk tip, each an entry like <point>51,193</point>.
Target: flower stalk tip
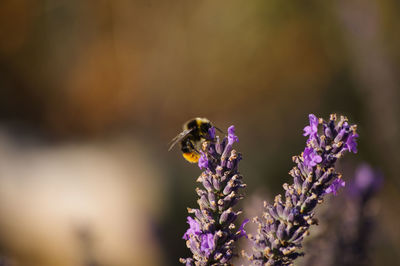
<point>286,222</point>
<point>211,236</point>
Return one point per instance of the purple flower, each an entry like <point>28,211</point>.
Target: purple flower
<point>231,135</point>
<point>365,182</point>
<point>351,143</point>
<point>312,129</point>
<point>241,228</point>
<point>286,221</point>
<point>334,187</point>
<point>211,132</point>
<point>194,228</point>
<point>311,157</point>
<point>207,243</point>
<point>203,161</point>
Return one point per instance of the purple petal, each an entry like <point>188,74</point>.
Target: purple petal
<point>311,157</point>
<point>241,228</point>
<point>211,132</point>
<point>203,161</point>
<point>351,143</point>
<point>317,159</point>
<point>307,131</point>
<point>312,129</point>
<point>334,187</point>
<point>366,180</point>
<point>194,228</point>
<point>207,243</point>
<point>231,135</point>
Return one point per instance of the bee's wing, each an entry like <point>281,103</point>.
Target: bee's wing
<point>179,137</point>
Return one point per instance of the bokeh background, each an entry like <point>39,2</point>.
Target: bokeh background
<point>91,93</point>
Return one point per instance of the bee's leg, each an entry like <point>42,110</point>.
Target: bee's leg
<point>219,129</point>
<point>190,143</point>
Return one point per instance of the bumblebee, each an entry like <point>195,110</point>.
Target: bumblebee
<point>195,131</point>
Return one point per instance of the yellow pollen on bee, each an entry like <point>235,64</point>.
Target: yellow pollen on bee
<point>191,157</point>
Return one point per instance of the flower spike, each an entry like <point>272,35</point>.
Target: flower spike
<point>212,234</point>
<point>286,222</point>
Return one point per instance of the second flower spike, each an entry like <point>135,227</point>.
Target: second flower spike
<point>212,234</point>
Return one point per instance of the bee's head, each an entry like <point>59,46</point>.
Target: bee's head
<point>204,127</point>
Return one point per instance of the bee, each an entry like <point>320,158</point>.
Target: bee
<point>195,132</point>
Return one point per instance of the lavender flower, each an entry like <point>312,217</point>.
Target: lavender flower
<point>211,133</point>
<point>241,228</point>
<point>366,182</point>
<point>285,223</point>
<point>354,234</point>
<point>351,144</point>
<point>231,135</point>
<point>207,243</point>
<point>334,187</point>
<point>348,237</point>
<point>203,161</point>
<point>212,235</point>
<point>312,129</point>
<point>311,157</point>
<point>194,228</point>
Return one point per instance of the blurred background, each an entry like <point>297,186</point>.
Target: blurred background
<point>91,93</point>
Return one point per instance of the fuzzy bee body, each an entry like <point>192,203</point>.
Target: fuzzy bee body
<point>195,131</point>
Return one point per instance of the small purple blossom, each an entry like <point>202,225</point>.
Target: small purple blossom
<point>312,129</point>
<point>311,157</point>
<point>231,135</point>
<point>211,132</point>
<point>241,228</point>
<point>194,228</point>
<point>334,187</point>
<point>366,181</point>
<point>203,161</point>
<point>207,243</point>
<point>351,143</point>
